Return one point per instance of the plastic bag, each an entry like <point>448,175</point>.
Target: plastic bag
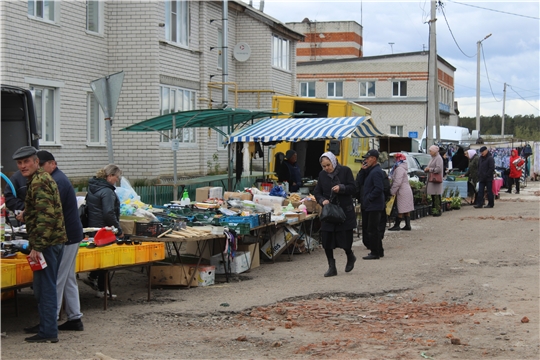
<point>125,192</point>
<point>278,191</point>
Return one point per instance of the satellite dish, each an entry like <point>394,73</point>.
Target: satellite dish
<point>242,52</point>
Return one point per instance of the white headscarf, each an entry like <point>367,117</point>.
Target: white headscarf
<point>471,153</point>
<point>331,157</point>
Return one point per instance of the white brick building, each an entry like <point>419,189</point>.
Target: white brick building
<point>164,48</point>
<point>393,86</point>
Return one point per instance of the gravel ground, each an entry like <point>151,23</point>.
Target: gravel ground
<point>461,286</point>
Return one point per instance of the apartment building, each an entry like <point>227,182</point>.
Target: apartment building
<point>393,86</point>
<point>171,55</point>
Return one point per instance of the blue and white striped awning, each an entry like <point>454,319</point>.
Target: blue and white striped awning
<point>304,129</point>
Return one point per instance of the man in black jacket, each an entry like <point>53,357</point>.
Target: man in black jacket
<point>373,203</point>
<point>486,167</point>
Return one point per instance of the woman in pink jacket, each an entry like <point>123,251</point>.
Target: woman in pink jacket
<point>403,192</point>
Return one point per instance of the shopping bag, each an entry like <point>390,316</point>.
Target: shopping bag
<point>390,205</point>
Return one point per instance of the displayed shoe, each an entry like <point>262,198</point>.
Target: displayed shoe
<point>91,282</point>
<point>371,257</point>
<point>488,206</point>
<point>478,206</point>
<point>39,339</point>
<point>72,325</point>
<point>32,330</point>
<point>101,294</point>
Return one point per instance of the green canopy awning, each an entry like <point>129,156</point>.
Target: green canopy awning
<point>209,118</point>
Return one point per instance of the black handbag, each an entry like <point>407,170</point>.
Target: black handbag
<point>333,213</point>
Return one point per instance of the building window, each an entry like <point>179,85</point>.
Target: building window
<point>94,16</point>
<point>307,89</point>
<point>281,53</point>
<point>396,130</point>
<point>46,113</point>
<point>177,21</point>
<point>399,88</point>
<point>335,89</point>
<point>220,49</point>
<point>42,9</point>
<point>95,133</point>
<point>174,99</point>
<point>367,89</point>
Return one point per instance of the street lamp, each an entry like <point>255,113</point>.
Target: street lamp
<point>478,43</point>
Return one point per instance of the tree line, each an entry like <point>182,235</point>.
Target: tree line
<point>523,127</point>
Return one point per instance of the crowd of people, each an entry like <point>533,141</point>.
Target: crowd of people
<point>45,201</point>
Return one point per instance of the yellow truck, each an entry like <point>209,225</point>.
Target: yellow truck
<point>350,150</point>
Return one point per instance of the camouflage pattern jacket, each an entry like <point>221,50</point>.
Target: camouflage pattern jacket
<point>43,212</point>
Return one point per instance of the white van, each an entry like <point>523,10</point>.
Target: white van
<point>451,135</point>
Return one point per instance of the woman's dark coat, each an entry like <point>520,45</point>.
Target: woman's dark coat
<point>347,189</point>
<point>103,204</point>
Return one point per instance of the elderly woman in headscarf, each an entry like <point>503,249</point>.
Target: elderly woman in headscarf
<point>435,189</point>
<point>290,171</point>
<point>336,182</point>
<point>472,172</point>
<point>403,192</point>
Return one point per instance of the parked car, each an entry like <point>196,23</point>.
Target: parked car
<point>423,159</point>
<point>415,168</point>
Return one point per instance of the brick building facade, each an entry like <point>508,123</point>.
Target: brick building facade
<point>164,48</point>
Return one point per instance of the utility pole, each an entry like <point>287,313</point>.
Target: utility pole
<point>478,44</point>
<point>433,82</point>
<point>504,101</point>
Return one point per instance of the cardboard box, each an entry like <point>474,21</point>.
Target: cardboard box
<point>175,274</point>
<point>283,237</point>
<point>237,195</point>
<point>201,194</point>
<point>268,200</point>
<point>215,192</point>
<point>239,264</point>
<point>311,206</point>
<point>206,275</point>
<point>253,250</point>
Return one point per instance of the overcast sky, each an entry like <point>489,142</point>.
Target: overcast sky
<point>511,54</point>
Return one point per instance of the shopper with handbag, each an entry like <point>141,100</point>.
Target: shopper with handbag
<point>336,186</point>
<point>402,191</point>
<point>434,183</point>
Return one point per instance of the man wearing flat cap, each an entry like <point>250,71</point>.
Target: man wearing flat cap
<point>46,235</point>
<point>67,289</point>
<point>290,171</point>
<point>486,167</point>
<point>371,180</point>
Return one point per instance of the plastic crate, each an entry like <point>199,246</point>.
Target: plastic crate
<point>265,218</point>
<point>9,275</point>
<point>240,228</point>
<point>142,254</point>
<point>24,273</point>
<point>156,250</point>
<point>252,220</point>
<point>107,256</point>
<point>125,255</point>
<point>87,259</point>
<point>151,229</point>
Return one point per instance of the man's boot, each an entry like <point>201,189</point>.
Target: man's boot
<point>407,223</point>
<point>332,271</point>
<point>396,225</point>
<point>351,259</point>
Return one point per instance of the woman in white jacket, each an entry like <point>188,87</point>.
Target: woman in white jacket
<point>403,192</point>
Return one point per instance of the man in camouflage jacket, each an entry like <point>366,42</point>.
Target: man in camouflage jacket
<point>46,235</point>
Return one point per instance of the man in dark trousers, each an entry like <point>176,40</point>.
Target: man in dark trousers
<point>486,167</point>
<point>67,288</point>
<point>46,236</point>
<point>373,204</point>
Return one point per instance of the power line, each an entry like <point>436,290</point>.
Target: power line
<point>522,98</point>
<point>485,66</point>
<point>451,33</point>
<point>499,11</point>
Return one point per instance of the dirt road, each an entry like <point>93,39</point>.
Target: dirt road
<point>461,286</point>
